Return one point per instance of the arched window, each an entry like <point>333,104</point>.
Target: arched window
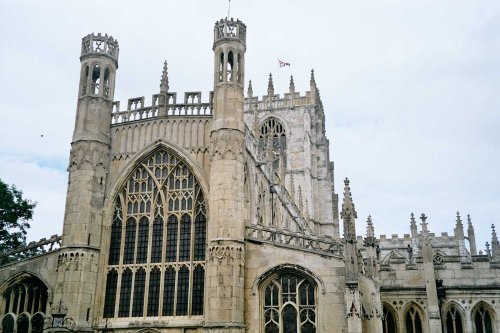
<point>8,324</point>
<point>106,82</point>
<point>413,320</point>
<point>85,79</point>
<point>389,321</point>
<point>29,295</point>
<point>96,79</point>
<point>272,142</point>
<point>289,301</point>
<point>160,249</point>
<point>23,323</point>
<point>230,66</point>
<point>454,321</point>
<point>483,319</point>
<point>221,67</point>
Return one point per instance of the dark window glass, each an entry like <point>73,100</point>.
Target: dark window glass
<point>125,290</point>
<point>182,291</point>
<point>142,241</point>
<point>23,323</point>
<point>171,254</point>
<point>110,296</point>
<point>37,323</point>
<point>453,321</point>
<point>157,239</point>
<point>412,321</point>
<point>139,288</point>
<point>154,292</point>
<point>128,256</point>
<point>388,321</point>
<point>200,229</point>
<point>8,324</point>
<point>116,238</point>
<point>169,292</point>
<point>289,319</point>
<point>482,320</point>
<point>198,290</point>
<point>185,238</point>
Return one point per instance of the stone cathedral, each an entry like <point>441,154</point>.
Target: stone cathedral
<point>187,216</point>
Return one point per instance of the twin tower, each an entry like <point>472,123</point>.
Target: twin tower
<point>88,211</point>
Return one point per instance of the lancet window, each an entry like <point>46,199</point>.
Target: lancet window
<point>272,142</point>
<point>483,320</point>
<point>289,301</point>
<point>96,79</point>
<point>413,320</point>
<point>454,321</point>
<point>388,320</point>
<point>156,264</point>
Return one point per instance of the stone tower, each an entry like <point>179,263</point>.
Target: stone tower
<point>225,266</point>
<point>88,169</point>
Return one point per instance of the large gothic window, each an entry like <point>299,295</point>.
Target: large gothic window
<point>28,300</point>
<point>454,321</point>
<point>272,142</point>
<point>156,264</point>
<point>413,320</point>
<point>289,304</point>
<point>482,318</point>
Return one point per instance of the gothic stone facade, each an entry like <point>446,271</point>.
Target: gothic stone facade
<point>185,216</point>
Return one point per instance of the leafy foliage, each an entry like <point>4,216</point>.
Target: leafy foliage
<point>15,212</point>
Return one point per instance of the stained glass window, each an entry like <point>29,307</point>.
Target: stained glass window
<point>454,321</point>
<point>413,322</point>
<point>482,319</point>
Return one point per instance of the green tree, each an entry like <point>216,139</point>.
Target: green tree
<point>15,212</point>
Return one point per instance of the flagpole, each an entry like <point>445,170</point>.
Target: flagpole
<point>229,10</point>
<point>279,70</point>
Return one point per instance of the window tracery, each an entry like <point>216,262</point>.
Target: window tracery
<point>272,142</point>
<point>454,321</point>
<point>388,320</point>
<point>28,300</point>
<point>483,320</point>
<point>156,263</point>
<point>413,321</point>
<point>289,301</point>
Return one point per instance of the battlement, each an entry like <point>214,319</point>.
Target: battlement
<point>93,45</point>
<point>226,30</point>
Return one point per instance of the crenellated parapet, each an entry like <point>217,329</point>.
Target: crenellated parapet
<point>96,45</point>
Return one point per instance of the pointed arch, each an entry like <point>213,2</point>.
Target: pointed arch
<point>25,293</point>
<point>453,317</point>
<point>413,318</point>
<point>390,318</point>
<point>483,318</point>
<point>162,202</point>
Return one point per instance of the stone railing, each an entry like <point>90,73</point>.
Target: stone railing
<point>284,238</point>
<point>196,110</point>
<point>31,250</point>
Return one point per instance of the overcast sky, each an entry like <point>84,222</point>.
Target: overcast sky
<point>410,91</point>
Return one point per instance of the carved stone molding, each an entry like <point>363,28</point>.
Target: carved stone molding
<point>227,144</point>
<point>90,155</point>
<point>74,261</point>
<point>228,253</point>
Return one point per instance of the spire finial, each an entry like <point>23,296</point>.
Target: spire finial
<point>459,221</point>
<point>292,85</point>
<point>164,79</point>
<point>250,89</point>
<point>348,205</point>
<point>413,226</point>
<point>313,80</point>
<point>494,238</point>
<point>370,231</point>
<point>270,86</point>
<point>469,222</point>
<point>424,224</point>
